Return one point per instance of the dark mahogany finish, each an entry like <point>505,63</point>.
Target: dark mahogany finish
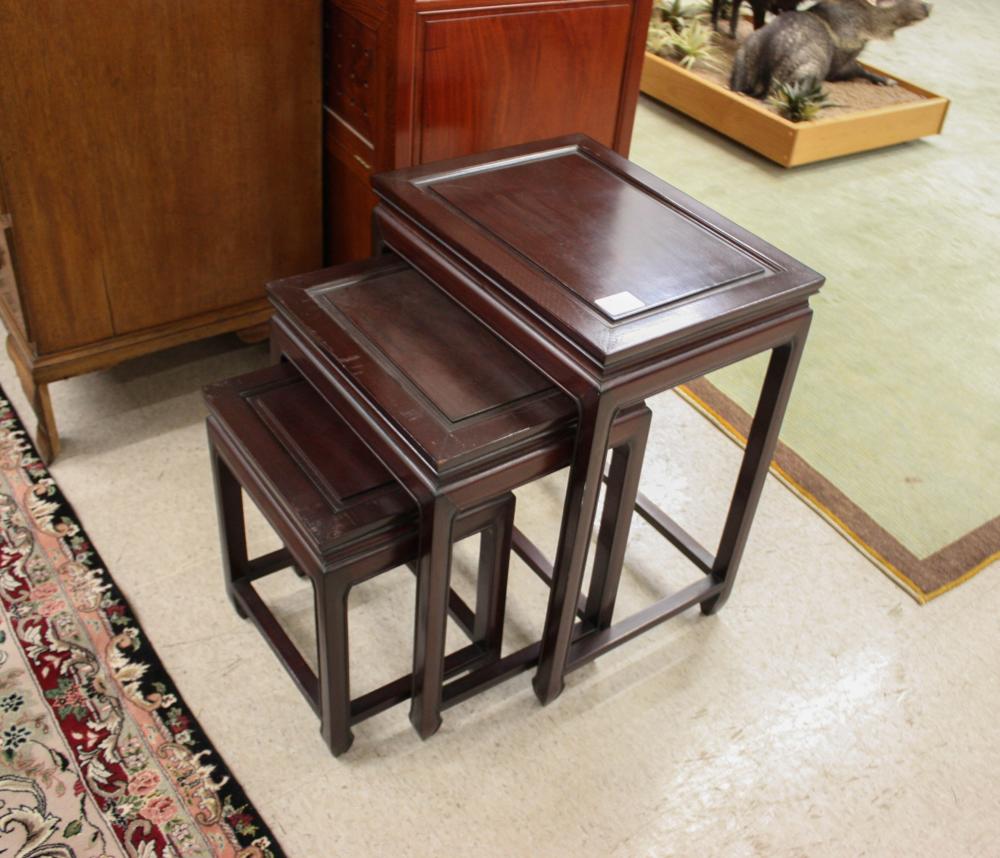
<point>342,519</point>
<point>456,416</point>
<point>565,197</point>
<point>507,73</point>
<point>617,286</point>
<point>401,342</point>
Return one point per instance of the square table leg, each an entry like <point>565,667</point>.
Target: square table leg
<point>232,530</point>
<point>433,582</point>
<point>331,596</point>
<point>581,501</point>
<point>762,440</point>
<point>616,519</point>
<point>582,490</point>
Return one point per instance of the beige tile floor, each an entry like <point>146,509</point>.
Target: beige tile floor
<point>821,713</point>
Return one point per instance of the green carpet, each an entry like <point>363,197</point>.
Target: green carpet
<point>897,403</point>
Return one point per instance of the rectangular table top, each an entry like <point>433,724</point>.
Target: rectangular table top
<point>332,490</point>
<point>616,260</point>
<point>433,370</point>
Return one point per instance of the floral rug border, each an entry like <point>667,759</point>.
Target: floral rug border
<point>129,761</point>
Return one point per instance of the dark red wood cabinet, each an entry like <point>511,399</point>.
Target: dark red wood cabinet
<point>409,82</point>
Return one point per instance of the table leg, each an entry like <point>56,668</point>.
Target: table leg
<point>433,572</point>
<point>616,520</point>
<point>491,582</point>
<point>756,461</point>
<point>585,476</point>
<point>334,665</point>
<point>232,530</point>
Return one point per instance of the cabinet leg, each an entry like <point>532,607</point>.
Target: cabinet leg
<point>46,434</point>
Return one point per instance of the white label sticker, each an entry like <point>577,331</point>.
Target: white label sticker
<point>619,303</point>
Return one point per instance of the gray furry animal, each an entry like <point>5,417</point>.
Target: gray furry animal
<point>821,43</point>
<point>760,9</point>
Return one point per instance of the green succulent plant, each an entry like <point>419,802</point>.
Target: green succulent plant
<point>658,39</point>
<point>693,44</point>
<point>801,101</point>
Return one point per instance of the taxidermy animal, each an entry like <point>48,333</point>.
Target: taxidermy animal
<point>822,43</point>
<point>760,8</point>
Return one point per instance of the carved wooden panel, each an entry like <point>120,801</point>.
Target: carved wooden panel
<point>350,79</point>
<point>409,82</point>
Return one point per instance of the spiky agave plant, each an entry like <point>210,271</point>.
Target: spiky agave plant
<point>693,44</point>
<point>658,38</point>
<point>800,101</point>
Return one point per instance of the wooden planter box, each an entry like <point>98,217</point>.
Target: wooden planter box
<point>791,143</point>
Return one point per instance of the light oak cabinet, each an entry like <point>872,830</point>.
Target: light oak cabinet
<point>409,82</point>
<point>159,162</point>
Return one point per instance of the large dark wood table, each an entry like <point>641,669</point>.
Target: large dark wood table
<point>617,286</point>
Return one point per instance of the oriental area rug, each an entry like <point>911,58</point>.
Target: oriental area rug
<point>99,755</point>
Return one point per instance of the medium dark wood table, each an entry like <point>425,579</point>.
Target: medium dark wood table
<point>455,415</point>
<point>617,286</point>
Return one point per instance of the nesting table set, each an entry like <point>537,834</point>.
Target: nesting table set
<point>523,305</point>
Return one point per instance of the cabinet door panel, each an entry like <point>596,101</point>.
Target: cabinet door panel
<point>359,56</point>
<point>499,76</point>
<point>351,54</point>
<point>215,143</point>
<point>163,160</point>
<point>49,94</point>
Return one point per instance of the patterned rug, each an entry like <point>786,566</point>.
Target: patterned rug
<point>99,756</point>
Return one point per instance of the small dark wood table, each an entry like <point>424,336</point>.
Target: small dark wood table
<point>342,519</point>
<point>617,286</point>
